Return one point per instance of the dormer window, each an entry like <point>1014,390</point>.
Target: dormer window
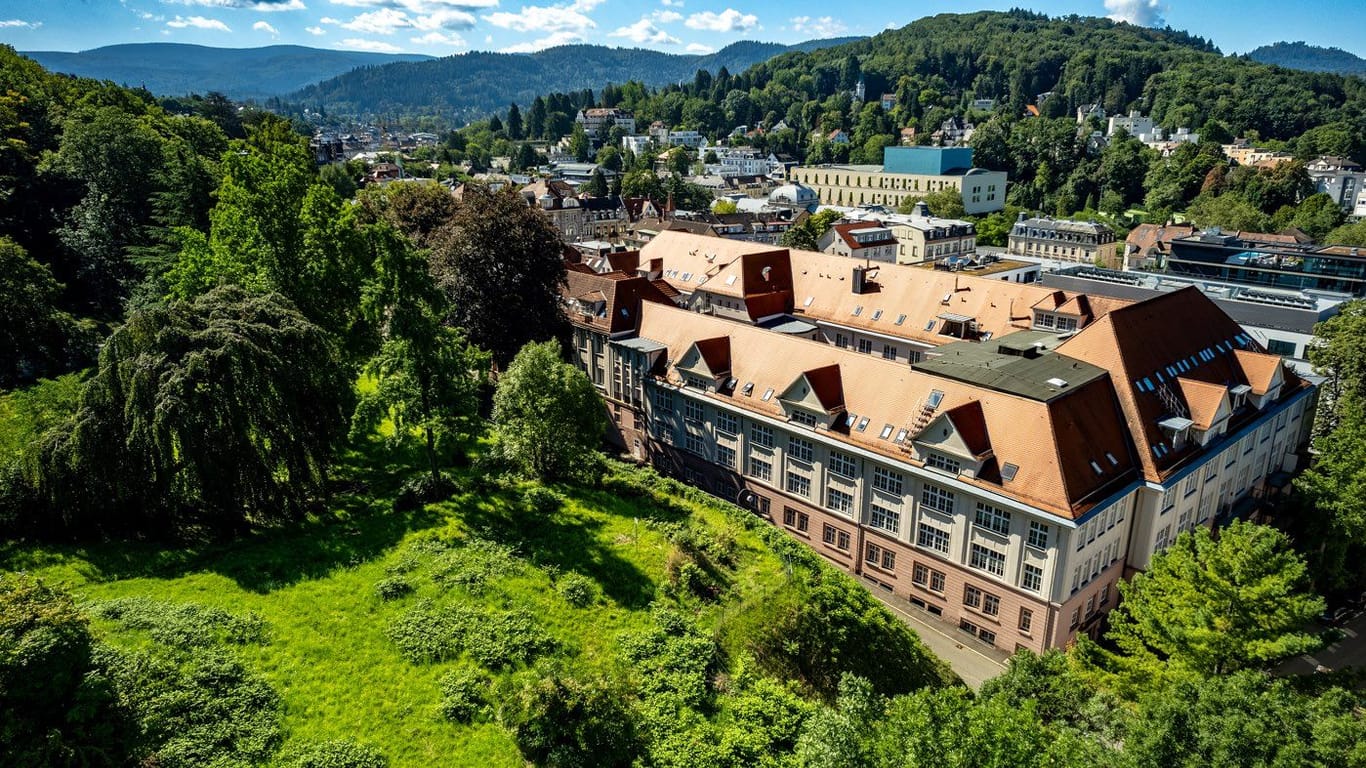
<point>943,463</point>
<point>1237,396</point>
<point>804,418</point>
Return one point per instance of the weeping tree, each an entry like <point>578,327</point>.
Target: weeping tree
<point>426,376</point>
<point>218,412</point>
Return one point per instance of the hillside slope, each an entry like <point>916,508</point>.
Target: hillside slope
<point>472,84</point>
<point>175,69</point>
<point>1310,58</point>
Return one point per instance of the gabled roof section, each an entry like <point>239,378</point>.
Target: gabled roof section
<point>961,430</point>
<point>622,293</point>
<point>1264,372</point>
<point>823,384</point>
<point>1149,346</point>
<point>1207,403</point>
<point>709,356</point>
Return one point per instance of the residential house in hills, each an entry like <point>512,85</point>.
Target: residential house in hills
<point>1001,482</point>
<point>1341,179</point>
<point>597,121</point>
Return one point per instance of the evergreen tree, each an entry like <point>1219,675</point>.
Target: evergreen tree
<point>514,122</point>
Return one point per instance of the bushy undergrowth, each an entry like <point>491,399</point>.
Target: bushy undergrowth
<point>473,565</point>
<point>462,694</point>
<point>577,590</point>
<point>393,588</point>
<point>334,754</point>
<point>428,633</point>
<point>182,624</point>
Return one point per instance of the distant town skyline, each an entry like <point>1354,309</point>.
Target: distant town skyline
<point>443,27</point>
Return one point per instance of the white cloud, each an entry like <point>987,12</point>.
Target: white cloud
<point>645,31</point>
<point>549,41</point>
<point>329,20</point>
<point>1144,13</point>
<point>19,24</point>
<point>451,40</point>
<point>666,17</point>
<point>385,21</point>
<point>417,6</point>
<point>378,46</point>
<point>261,26</point>
<point>261,6</point>
<point>488,39</point>
<point>729,20</point>
<point>699,48</point>
<point>674,3</point>
<point>537,18</point>
<point>825,26</point>
<point>197,22</point>
<point>445,18</point>
<point>315,30</point>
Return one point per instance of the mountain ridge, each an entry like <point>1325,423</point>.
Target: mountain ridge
<point>1310,58</point>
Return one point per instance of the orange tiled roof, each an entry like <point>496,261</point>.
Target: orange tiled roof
<point>1053,443</point>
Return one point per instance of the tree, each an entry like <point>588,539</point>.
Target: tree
<point>843,736</point>
<point>596,185</point>
<point>1348,234</point>
<point>1318,215</point>
<point>58,709</point>
<point>426,377</point>
<point>806,235</point>
<point>643,182</point>
<point>514,124</point>
<point>946,203</point>
<point>680,161</point>
<point>579,144</point>
<point>34,334</point>
<point>1230,211</point>
<point>499,262</point>
<point>723,206</point>
<point>548,416</point>
<point>220,412</point>
<point>1212,606</point>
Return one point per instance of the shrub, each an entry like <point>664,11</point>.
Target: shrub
<point>182,624</point>
<point>462,694</point>
<point>577,590</point>
<point>393,588</point>
<point>542,500</point>
<point>427,633</point>
<point>558,721</point>
<point>334,754</point>
<point>421,490</point>
<point>473,565</point>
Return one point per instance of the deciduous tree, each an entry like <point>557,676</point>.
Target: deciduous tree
<point>549,418</point>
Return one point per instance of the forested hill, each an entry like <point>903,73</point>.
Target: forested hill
<point>174,69</point>
<point>1310,58</point>
<point>472,84</point>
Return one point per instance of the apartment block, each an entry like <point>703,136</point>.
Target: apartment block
<point>907,172</point>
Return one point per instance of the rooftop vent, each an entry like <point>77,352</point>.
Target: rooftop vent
<point>1056,382</point>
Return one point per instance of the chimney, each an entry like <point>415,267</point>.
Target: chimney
<point>860,280</point>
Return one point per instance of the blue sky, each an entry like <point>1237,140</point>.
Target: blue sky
<point>441,27</point>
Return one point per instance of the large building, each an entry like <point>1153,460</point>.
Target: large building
<point>1341,179</point>
<point>868,241</point>
<point>1001,482</point>
<point>1084,242</point>
<point>907,172</point>
<point>597,122</point>
<point>920,235</point>
<point>578,218</point>
<point>1271,261</point>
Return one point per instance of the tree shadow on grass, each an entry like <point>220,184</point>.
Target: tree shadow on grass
<point>571,541</point>
<point>359,525</point>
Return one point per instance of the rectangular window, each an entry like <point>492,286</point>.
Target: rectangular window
<point>937,581</point>
<point>761,435</point>
<point>993,519</point>
<point>798,484</point>
<point>884,518</point>
<point>760,469</point>
<point>839,501</point>
<point>1026,620</point>
<point>972,596</point>
<point>664,400</point>
<point>725,456</point>
<point>988,560</point>
<point>888,352</point>
<point>693,444</point>
<point>799,449</point>
<point>880,556</point>
<point>1090,606</point>
<point>1168,499</point>
<point>790,517</point>
<point>842,464</point>
<point>841,540</point>
<point>931,537</point>
<point>1076,618</point>
<point>1163,536</point>
<point>920,575</point>
<point>693,412</point>
<point>1192,484</point>
<point>1031,578</point>
<point>841,340</point>
<point>887,480</point>
<point>865,346</point>
<point>828,534</point>
<point>804,418</point>
<point>728,423</point>
<point>1038,535</point>
<point>942,462</point>
<point>937,498</point>
<point>991,604</point>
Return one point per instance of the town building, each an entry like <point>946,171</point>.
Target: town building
<point>597,122</point>
<point>1341,179</point>
<point>907,172</point>
<point>920,236</point>
<point>1001,484</point>
<point>1085,242</point>
<point>1148,245</point>
<point>636,145</point>
<point>868,241</point>
<point>577,218</point>
<point>1134,124</point>
<point>1270,261</point>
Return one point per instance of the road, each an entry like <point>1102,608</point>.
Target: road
<point>972,660</point>
<point>1348,652</point>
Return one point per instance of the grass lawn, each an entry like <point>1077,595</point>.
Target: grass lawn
<point>327,651</point>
